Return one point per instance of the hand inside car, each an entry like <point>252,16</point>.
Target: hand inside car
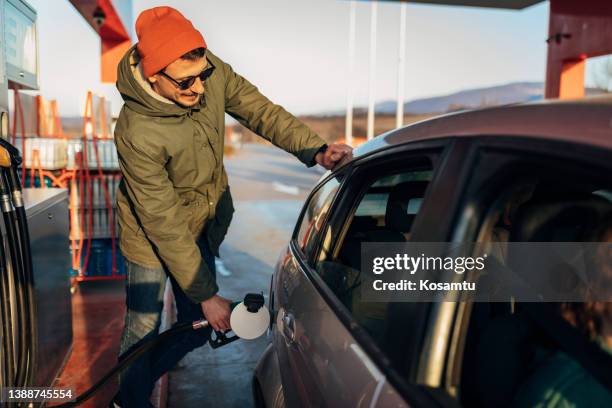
<point>335,154</point>
<point>217,311</point>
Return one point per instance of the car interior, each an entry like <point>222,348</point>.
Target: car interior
<point>505,340</point>
<point>402,204</point>
<point>385,213</point>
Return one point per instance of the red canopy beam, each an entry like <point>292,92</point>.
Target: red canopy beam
<point>113,33</point>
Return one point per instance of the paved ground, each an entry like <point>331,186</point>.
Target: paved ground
<point>98,310</point>
<point>269,187</point>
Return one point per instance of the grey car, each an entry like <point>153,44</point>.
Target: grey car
<point>455,178</point>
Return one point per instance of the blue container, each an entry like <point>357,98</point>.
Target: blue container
<point>101,259</point>
<point>121,269</point>
<point>120,259</point>
<point>97,265</point>
<point>47,181</point>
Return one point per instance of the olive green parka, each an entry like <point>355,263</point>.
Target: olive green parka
<point>174,190</point>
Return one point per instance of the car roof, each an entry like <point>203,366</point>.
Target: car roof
<point>585,121</point>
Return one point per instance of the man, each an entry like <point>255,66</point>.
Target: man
<point>174,204</point>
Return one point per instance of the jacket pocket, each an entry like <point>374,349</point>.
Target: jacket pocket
<point>217,227</point>
<point>194,211</point>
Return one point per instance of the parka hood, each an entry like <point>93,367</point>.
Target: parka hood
<point>137,92</point>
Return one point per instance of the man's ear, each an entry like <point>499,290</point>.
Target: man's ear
<point>152,79</point>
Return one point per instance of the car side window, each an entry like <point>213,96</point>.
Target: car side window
<point>314,214</point>
<point>546,202</point>
<point>385,212</point>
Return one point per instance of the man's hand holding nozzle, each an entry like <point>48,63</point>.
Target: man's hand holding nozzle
<point>217,312</point>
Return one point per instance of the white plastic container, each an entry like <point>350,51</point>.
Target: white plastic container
<point>53,153</point>
<point>107,154</point>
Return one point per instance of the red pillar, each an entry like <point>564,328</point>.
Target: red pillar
<point>114,36</point>
<point>112,52</point>
<point>577,30</point>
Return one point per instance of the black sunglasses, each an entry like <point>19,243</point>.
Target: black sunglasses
<point>188,82</point>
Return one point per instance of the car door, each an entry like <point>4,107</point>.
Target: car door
<point>335,350</point>
<point>513,176</point>
<point>295,298</point>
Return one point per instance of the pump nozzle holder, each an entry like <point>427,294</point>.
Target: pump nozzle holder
<point>5,158</point>
<point>15,156</point>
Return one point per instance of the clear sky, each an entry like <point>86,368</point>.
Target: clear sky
<point>296,52</point>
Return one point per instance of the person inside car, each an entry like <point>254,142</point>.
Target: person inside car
<point>559,380</point>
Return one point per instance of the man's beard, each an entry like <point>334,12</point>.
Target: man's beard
<point>195,102</point>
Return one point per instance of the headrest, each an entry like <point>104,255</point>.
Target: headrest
<point>556,217</point>
<point>396,216</point>
<point>559,218</point>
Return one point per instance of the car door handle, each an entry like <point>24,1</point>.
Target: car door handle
<point>289,326</point>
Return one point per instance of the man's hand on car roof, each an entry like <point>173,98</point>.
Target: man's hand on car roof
<point>335,154</point>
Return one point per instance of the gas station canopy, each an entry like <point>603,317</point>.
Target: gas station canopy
<point>577,30</point>
<point>501,4</point>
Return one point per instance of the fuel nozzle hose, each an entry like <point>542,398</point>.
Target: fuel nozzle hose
<point>253,304</point>
<point>14,185</point>
<point>8,362</point>
<point>20,257</point>
<point>127,359</point>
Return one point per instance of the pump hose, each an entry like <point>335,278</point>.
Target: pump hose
<point>127,359</point>
<point>29,287</point>
<point>16,225</point>
<point>28,272</point>
<point>15,221</point>
<point>15,255</point>
<point>8,366</point>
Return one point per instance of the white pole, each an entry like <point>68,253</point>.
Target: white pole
<point>401,70</point>
<point>349,97</point>
<point>372,71</point>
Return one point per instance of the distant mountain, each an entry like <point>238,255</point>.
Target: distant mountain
<point>471,98</point>
<point>515,92</point>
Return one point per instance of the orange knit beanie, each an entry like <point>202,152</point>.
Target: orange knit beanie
<point>164,34</point>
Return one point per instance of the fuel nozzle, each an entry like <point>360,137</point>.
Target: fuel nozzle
<point>249,320</point>
<point>5,158</point>
<point>13,153</point>
<point>10,160</point>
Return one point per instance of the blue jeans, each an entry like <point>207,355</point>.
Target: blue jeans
<point>144,300</point>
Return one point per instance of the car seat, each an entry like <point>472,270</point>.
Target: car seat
<point>398,223</point>
<point>397,218</point>
<point>346,276</point>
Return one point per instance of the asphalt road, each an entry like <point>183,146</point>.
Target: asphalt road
<point>269,187</point>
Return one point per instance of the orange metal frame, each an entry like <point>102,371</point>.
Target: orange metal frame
<point>86,193</point>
